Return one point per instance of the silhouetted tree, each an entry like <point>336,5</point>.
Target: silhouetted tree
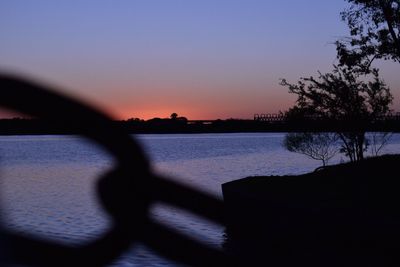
<point>182,119</point>
<point>318,146</point>
<point>174,116</point>
<point>378,140</point>
<point>342,96</point>
<point>375,33</point>
<point>135,120</point>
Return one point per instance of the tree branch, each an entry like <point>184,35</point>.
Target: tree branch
<point>387,13</point>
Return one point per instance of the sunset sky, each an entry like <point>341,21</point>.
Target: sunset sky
<point>204,59</point>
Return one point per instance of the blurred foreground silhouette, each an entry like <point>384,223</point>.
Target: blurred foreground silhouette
<point>126,192</point>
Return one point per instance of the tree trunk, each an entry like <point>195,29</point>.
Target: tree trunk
<point>348,149</point>
<point>388,14</point>
<point>360,140</point>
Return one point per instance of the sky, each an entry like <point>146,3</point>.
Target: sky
<point>202,59</point>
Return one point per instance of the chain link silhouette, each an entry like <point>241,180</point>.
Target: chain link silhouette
<point>126,192</point>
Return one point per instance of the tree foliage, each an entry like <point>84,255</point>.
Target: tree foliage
<point>318,146</point>
<point>374,33</point>
<point>343,96</point>
<point>353,91</point>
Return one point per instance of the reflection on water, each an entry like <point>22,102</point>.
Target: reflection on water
<point>57,201</point>
<point>47,182</point>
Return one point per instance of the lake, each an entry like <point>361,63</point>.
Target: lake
<point>47,182</point>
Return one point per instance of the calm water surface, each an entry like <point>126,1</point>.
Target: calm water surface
<point>47,182</point>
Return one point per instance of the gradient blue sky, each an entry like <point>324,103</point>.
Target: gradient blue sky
<point>203,59</point>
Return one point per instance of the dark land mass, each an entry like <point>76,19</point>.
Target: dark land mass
<point>158,126</point>
<point>343,215</point>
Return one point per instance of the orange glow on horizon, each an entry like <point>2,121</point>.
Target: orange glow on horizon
<point>161,112</point>
<point>204,109</point>
<point>191,114</point>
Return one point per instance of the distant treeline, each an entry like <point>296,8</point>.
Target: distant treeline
<point>18,126</point>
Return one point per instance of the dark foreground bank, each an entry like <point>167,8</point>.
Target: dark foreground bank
<point>344,215</point>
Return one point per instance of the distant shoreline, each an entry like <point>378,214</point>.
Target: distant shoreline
<point>168,126</point>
